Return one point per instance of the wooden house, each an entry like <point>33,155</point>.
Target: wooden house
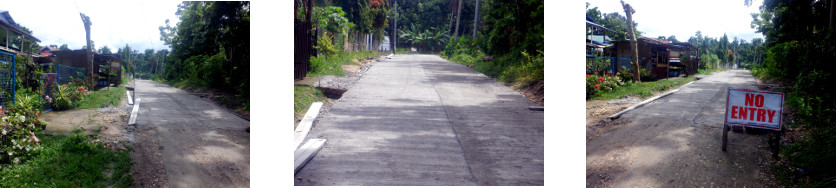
<point>662,58</point>
<point>12,37</point>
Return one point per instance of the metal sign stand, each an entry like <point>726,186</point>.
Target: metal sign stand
<point>774,140</point>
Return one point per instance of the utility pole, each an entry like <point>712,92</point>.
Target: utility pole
<point>633,44</point>
<point>86,20</point>
<point>395,39</point>
<point>475,19</point>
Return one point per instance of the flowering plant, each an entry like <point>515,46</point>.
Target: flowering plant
<point>596,83</point>
<point>18,128</point>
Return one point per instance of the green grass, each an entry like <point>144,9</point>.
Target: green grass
<point>69,161</point>
<point>332,65</point>
<point>708,71</point>
<point>643,89</point>
<point>303,97</point>
<point>102,98</point>
<point>510,68</point>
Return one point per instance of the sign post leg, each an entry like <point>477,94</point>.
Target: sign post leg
<point>775,143</point>
<point>726,129</point>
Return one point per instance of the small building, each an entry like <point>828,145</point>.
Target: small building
<point>12,37</point>
<point>662,58</point>
<point>106,67</point>
<point>47,51</point>
<point>384,45</point>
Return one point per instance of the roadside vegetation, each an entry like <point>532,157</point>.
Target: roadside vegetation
<point>332,64</point>
<point>303,97</point>
<point>210,51</point>
<point>68,161</point>
<point>341,25</point>
<point>798,55</point>
<point>515,58</point>
<point>29,158</point>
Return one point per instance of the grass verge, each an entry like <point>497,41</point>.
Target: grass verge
<point>303,97</point>
<point>69,161</point>
<point>709,71</point>
<point>332,65</point>
<point>643,89</point>
<point>103,98</point>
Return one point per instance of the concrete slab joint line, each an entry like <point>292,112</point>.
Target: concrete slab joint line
<point>456,135</point>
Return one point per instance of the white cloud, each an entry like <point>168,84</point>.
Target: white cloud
<point>684,18</point>
<point>114,23</point>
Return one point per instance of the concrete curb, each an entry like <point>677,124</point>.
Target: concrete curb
<point>617,115</point>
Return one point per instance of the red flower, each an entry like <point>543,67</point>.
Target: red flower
<point>600,79</point>
<point>609,74</point>
<point>587,75</point>
<point>596,72</point>
<point>596,86</point>
<point>80,88</point>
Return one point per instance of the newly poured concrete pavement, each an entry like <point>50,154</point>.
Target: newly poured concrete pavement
<point>421,120</point>
<point>202,145</point>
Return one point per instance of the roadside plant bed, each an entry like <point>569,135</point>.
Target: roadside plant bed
<point>596,84</point>
<point>641,90</point>
<point>66,96</point>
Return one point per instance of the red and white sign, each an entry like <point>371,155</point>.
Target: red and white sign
<point>757,109</point>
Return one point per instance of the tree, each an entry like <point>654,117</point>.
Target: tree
<point>105,50</point>
<point>633,44</point>
<point>458,18</point>
<point>514,26</point>
<point>672,38</point>
<point>615,22</point>
<point>220,30</point>
<point>64,47</point>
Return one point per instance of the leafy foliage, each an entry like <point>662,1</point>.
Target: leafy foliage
<point>208,29</point>
<point>514,26</point>
<point>801,52</point>
<point>613,21</point>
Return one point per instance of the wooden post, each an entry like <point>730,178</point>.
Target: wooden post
<point>87,23</point>
<point>726,129</point>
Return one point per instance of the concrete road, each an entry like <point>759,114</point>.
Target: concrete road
<point>421,120</point>
<point>202,145</point>
<point>675,142</point>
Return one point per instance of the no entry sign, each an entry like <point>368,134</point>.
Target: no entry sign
<point>757,109</point>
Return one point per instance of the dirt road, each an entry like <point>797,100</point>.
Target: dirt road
<point>675,142</point>
<point>185,141</point>
<point>421,120</point>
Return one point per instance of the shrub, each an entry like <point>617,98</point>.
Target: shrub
<point>325,46</point>
<point>18,129</point>
<point>601,83</point>
<point>66,95</point>
<point>624,76</point>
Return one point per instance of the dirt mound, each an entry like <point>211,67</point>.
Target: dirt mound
<point>535,92</point>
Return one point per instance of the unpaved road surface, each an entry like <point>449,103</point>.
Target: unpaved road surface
<point>185,141</point>
<point>421,120</point>
<point>675,142</point>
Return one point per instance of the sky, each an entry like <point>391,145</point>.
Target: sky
<point>683,18</point>
<point>114,23</point>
